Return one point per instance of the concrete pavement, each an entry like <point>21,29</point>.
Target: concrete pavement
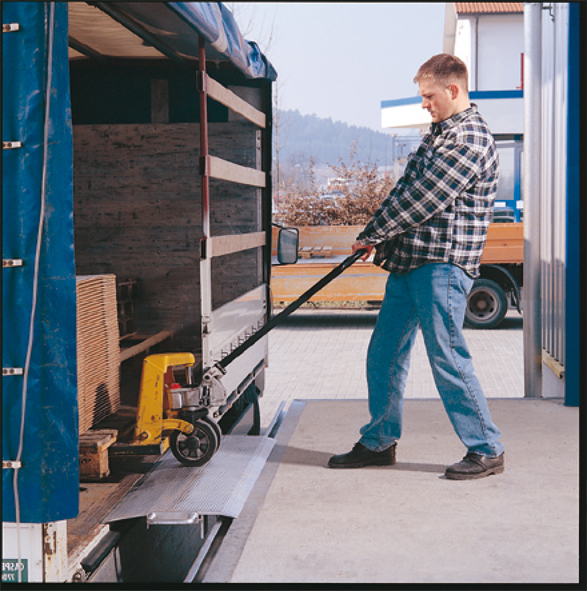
<point>305,523</point>
<point>321,354</point>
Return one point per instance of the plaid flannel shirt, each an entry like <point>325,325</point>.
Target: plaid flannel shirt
<point>440,208</point>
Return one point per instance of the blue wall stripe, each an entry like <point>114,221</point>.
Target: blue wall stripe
<point>575,319</point>
<point>473,95</point>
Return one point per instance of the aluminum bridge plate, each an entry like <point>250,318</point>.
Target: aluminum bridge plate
<point>221,487</point>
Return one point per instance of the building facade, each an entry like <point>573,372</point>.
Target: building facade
<point>492,38</point>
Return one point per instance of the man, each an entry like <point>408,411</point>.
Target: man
<point>429,234</point>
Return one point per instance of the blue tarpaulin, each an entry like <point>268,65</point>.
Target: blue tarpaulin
<point>48,482</point>
<point>178,26</point>
<point>216,23</point>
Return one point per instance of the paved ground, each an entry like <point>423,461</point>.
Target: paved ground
<point>320,354</point>
<point>305,523</point>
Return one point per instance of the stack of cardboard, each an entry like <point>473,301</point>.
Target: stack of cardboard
<point>98,349</point>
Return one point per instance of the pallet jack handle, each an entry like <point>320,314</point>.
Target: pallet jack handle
<point>273,322</point>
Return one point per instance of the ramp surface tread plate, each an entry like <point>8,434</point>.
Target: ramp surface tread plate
<point>220,487</point>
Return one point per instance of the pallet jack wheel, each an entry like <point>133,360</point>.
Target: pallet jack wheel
<point>216,428</point>
<point>197,448</point>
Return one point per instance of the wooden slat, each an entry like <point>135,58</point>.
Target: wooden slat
<point>146,344</point>
<point>228,171</point>
<point>505,244</point>
<point>235,103</point>
<point>221,245</point>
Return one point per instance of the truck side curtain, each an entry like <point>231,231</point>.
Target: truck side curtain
<point>38,202</point>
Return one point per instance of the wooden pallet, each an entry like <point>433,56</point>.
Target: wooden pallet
<point>312,252</point>
<point>93,453</point>
<point>322,252</point>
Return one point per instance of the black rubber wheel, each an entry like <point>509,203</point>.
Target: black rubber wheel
<point>198,447</point>
<point>486,305</point>
<point>216,428</point>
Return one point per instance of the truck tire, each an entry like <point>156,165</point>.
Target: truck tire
<point>487,304</point>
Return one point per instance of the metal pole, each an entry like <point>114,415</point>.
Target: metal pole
<point>204,138</point>
<point>532,198</point>
<point>205,243</point>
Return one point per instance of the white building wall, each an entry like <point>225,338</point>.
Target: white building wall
<point>491,46</point>
<point>500,49</point>
<point>464,46</point>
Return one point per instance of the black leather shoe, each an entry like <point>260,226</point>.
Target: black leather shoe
<point>360,456</point>
<point>475,466</point>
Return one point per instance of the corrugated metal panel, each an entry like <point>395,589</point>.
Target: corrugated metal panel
<point>489,7</point>
<point>554,181</point>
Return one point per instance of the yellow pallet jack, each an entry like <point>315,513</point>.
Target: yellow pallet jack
<point>166,409</point>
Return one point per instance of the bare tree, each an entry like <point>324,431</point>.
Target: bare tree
<point>245,14</point>
<point>355,193</point>
<point>248,19</point>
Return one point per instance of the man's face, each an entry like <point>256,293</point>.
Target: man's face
<point>437,99</point>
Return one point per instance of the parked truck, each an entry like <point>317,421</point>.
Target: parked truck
<point>136,150</point>
<point>322,247</point>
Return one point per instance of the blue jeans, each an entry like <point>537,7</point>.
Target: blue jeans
<point>433,297</point>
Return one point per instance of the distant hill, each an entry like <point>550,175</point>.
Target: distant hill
<point>303,136</point>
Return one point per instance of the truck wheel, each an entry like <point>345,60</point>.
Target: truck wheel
<point>198,447</point>
<point>486,305</point>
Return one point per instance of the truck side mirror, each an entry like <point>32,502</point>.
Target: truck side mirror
<point>287,245</point>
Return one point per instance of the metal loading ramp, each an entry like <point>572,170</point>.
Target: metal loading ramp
<point>305,523</point>
<point>175,493</point>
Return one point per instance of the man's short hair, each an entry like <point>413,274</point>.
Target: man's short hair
<point>445,69</point>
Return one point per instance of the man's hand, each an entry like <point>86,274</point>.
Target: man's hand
<point>358,246</point>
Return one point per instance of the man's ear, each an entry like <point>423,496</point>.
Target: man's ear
<point>453,90</point>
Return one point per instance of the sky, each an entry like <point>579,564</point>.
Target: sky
<point>340,60</point>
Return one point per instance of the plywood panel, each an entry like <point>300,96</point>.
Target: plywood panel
<point>98,351</point>
<point>137,214</point>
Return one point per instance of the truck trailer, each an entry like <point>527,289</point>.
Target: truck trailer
<point>137,174</point>
<point>496,290</point>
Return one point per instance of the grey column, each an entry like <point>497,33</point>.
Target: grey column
<point>532,197</point>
